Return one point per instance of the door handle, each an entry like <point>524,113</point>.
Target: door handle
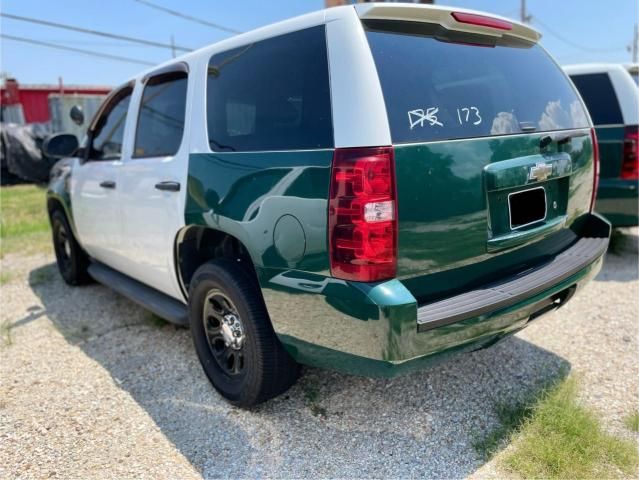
<point>107,184</point>
<point>168,186</point>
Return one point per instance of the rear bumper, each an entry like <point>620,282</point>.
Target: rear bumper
<point>618,201</point>
<point>513,290</point>
<point>380,330</point>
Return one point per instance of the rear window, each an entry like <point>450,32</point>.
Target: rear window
<point>597,91</point>
<point>436,89</point>
<point>271,95</point>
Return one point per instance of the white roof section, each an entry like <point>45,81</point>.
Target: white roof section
<point>581,68</point>
<point>397,11</point>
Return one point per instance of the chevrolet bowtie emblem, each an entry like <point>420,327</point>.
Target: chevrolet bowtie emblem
<point>540,172</point>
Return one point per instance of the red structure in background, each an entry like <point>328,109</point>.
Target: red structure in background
<point>35,98</point>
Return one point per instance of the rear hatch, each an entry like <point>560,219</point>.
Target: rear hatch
<point>493,149</point>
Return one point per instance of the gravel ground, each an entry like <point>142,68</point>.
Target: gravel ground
<point>92,386</point>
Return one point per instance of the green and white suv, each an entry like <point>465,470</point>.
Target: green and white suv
<point>367,188</point>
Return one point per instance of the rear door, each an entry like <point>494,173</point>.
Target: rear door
<point>493,149</point>
<point>94,189</point>
<point>153,179</point>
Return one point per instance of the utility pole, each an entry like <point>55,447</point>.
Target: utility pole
<point>172,46</point>
<point>523,14</point>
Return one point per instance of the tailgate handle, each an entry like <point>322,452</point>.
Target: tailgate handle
<point>108,184</point>
<point>168,186</point>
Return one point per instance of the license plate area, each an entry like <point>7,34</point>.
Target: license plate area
<point>527,207</point>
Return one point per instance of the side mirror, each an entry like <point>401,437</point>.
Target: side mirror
<point>77,115</point>
<point>60,145</point>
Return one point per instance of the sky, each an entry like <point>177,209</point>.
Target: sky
<point>574,31</point>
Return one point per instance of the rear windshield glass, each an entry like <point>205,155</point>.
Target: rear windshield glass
<point>597,91</point>
<point>436,89</point>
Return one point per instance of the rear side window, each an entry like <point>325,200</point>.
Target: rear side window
<point>437,89</point>
<point>161,118</point>
<point>597,91</point>
<point>271,95</point>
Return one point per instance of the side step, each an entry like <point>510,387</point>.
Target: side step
<point>157,302</point>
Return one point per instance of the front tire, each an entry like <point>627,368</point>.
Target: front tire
<point>233,336</point>
<point>72,261</point>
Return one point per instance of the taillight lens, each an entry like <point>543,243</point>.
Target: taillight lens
<point>630,163</point>
<point>595,165</point>
<point>362,214</point>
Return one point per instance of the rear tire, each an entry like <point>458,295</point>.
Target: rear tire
<point>233,336</point>
<point>72,261</point>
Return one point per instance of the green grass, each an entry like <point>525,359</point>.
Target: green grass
<point>24,226</point>
<point>5,277</point>
<point>5,333</point>
<point>632,421</point>
<point>559,438</point>
<point>311,398</point>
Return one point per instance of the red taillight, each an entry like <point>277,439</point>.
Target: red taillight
<point>362,214</point>
<point>481,20</point>
<point>630,163</point>
<point>595,165</point>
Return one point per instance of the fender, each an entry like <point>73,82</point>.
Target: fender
<point>58,189</point>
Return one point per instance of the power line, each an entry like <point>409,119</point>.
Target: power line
<point>186,17</point>
<point>94,32</point>
<point>573,44</point>
<point>77,50</point>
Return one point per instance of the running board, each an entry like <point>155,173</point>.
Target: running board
<point>157,302</point>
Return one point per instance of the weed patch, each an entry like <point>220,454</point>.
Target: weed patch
<point>561,438</point>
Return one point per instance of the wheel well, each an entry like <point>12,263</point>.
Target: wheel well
<point>198,245</point>
<point>53,205</point>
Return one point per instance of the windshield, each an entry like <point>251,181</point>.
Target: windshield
<point>436,89</point>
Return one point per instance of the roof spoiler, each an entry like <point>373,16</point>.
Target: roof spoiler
<point>457,19</point>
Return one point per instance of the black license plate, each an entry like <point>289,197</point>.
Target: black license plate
<point>527,207</point>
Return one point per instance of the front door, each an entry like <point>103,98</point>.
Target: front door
<point>153,180</point>
<point>94,187</point>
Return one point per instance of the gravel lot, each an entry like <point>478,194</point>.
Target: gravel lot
<point>93,386</point>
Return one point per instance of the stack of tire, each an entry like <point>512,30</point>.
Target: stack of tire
<point>21,157</point>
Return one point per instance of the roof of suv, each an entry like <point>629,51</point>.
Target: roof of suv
<point>407,12</point>
<point>582,68</point>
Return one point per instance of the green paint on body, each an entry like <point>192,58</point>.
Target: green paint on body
<point>275,203</point>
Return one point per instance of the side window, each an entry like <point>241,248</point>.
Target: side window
<point>601,100</point>
<point>271,95</point>
<point>108,133</point>
<point>161,117</point>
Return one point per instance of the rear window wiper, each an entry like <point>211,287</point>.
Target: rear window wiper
<point>559,138</point>
<point>527,127</point>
